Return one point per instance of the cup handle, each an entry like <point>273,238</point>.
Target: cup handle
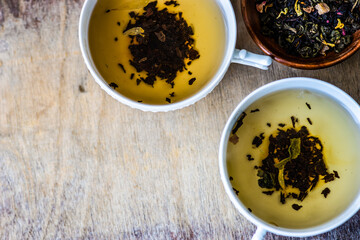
<point>259,234</point>
<point>251,59</point>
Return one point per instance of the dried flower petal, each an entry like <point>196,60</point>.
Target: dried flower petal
<point>339,25</point>
<point>297,8</point>
<point>268,6</point>
<point>285,11</point>
<point>352,9</point>
<point>260,7</point>
<point>326,43</point>
<point>324,49</point>
<point>308,9</point>
<point>343,32</point>
<point>322,8</point>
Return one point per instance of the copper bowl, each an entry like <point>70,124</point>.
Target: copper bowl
<point>270,47</point>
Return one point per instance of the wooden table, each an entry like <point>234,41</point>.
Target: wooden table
<point>80,165</point>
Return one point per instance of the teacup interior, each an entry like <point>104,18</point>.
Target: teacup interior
<point>331,123</point>
<point>110,53</point>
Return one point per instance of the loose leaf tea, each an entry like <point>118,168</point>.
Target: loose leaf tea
<point>309,28</point>
<point>296,207</point>
<point>236,191</point>
<point>113,85</point>
<point>294,165</point>
<point>172,2</point>
<point>249,157</point>
<point>294,152</point>
<point>268,192</point>
<point>162,43</point>
<point>239,123</point>
<point>325,192</point>
<point>308,105</point>
<point>257,141</point>
<point>191,81</point>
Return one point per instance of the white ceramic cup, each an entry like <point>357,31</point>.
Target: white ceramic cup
<point>230,55</point>
<point>313,85</point>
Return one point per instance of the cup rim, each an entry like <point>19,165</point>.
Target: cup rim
<point>229,19</point>
<point>314,85</point>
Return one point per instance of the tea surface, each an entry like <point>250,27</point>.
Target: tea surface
<point>109,48</point>
<point>339,135</point>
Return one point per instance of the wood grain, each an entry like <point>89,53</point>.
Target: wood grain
<point>79,165</point>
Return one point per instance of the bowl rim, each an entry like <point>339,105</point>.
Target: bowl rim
<point>309,66</point>
<point>315,85</point>
<point>230,26</point>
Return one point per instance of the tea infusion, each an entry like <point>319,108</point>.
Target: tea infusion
<point>157,52</point>
<point>293,160</point>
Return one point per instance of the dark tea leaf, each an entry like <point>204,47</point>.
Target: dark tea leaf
<point>161,43</point>
<point>294,163</point>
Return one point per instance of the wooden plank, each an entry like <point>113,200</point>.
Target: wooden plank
<point>79,164</point>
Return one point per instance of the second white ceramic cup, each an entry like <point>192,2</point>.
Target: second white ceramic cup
<point>312,85</point>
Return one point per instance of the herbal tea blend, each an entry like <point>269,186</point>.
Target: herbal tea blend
<point>294,165</point>
<point>162,44</point>
<point>310,28</point>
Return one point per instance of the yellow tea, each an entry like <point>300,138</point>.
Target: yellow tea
<point>296,110</point>
<point>109,48</point>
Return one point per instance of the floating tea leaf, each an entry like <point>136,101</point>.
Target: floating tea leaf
<point>234,139</point>
<point>325,192</point>
<point>172,2</point>
<point>258,140</point>
<point>281,178</point>
<point>249,157</point>
<point>239,122</point>
<point>296,207</point>
<point>113,85</point>
<point>134,31</point>
<point>294,152</point>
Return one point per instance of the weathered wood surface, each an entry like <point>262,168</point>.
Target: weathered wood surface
<point>79,165</point>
